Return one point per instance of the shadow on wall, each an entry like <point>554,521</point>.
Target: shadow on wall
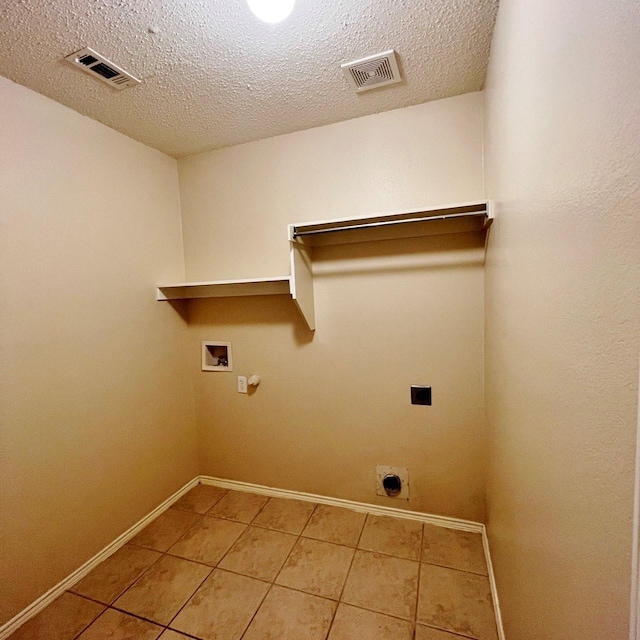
<point>428,254</point>
<point>453,251</point>
<point>257,311</point>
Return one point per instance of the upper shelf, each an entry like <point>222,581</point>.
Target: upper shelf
<point>472,216</point>
<point>224,288</point>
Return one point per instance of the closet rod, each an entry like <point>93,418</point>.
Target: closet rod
<point>370,225</point>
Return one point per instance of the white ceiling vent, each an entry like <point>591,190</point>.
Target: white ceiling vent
<point>373,71</point>
<point>98,66</point>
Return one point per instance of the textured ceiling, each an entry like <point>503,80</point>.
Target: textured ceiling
<point>214,75</point>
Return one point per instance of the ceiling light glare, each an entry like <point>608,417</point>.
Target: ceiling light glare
<point>271,11</point>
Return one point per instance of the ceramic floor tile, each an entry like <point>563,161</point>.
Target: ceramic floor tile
<point>208,541</point>
<point>429,633</point>
<point>222,608</point>
<point>291,615</point>
<point>396,536</point>
<point>316,567</point>
<point>334,524</point>
<point>165,529</point>
<point>259,553</point>
<point>163,589</point>
<point>173,635</point>
<point>456,601</point>
<point>111,577</point>
<point>200,499</point>
<point>238,505</point>
<point>383,583</point>
<point>114,625</point>
<point>282,514</point>
<point>456,549</point>
<point>63,619</point>
<point>351,623</point>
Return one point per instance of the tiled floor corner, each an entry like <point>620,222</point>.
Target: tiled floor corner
<point>231,565</point>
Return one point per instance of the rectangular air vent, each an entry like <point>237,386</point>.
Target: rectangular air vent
<point>98,66</point>
<point>372,72</point>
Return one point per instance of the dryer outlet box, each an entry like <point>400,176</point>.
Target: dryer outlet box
<point>385,471</point>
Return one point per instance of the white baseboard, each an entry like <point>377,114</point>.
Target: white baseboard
<point>442,521</point>
<point>492,583</point>
<point>38,605</point>
<point>363,507</point>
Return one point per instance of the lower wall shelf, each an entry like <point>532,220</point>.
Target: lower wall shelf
<point>224,288</point>
<point>301,292</point>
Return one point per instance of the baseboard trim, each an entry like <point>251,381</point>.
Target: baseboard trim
<point>442,521</point>
<point>363,507</point>
<point>492,583</point>
<point>38,605</point>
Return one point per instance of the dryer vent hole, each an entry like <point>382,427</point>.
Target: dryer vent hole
<point>392,484</point>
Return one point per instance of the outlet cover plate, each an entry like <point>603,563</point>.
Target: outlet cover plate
<point>402,472</point>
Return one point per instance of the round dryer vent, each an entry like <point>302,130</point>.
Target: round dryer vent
<point>392,484</point>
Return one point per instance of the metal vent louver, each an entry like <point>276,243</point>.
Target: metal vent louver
<point>373,71</point>
<point>102,68</point>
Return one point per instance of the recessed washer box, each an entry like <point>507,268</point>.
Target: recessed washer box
<point>216,356</point>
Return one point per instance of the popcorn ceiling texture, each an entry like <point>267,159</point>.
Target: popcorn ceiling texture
<point>216,76</point>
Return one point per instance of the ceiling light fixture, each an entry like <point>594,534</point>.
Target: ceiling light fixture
<point>271,11</point>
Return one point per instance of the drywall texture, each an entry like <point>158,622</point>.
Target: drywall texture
<point>563,305</point>
<point>97,417</point>
<point>214,75</point>
<point>333,405</point>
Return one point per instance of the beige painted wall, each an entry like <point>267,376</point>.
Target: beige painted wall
<point>563,306</point>
<point>331,406</point>
<point>97,417</point>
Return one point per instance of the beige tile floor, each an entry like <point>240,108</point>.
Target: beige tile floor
<point>229,565</point>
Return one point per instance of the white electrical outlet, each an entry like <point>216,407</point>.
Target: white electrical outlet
<point>242,384</point>
<point>401,472</point>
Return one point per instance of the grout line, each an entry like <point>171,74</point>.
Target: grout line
<point>364,524</point>
<point>260,510</point>
<point>275,577</point>
<point>415,613</point>
<point>108,604</point>
<point>213,504</point>
<point>295,544</point>
<point>163,555</point>
<point>255,613</point>
<point>242,575</point>
<point>379,613</point>
<point>186,602</point>
<point>335,613</point>
<point>445,566</point>
<point>96,618</point>
<point>222,495</point>
<point>137,616</point>
<point>455,634</point>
